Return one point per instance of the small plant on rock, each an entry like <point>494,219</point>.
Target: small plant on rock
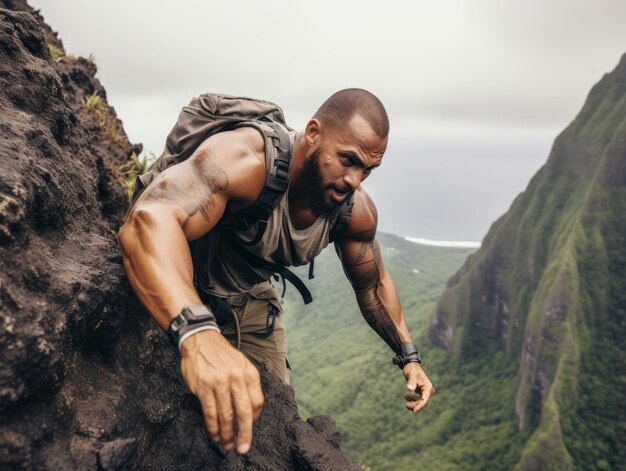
<point>57,53</point>
<point>97,106</point>
<point>132,169</point>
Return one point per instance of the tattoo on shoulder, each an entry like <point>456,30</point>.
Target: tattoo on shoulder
<point>215,180</point>
<point>197,193</point>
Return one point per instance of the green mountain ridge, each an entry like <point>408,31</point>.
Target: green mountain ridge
<point>530,368</point>
<point>547,293</point>
<point>341,368</point>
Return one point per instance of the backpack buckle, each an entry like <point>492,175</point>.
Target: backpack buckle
<point>282,169</point>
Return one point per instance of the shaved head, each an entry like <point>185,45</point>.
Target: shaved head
<point>337,110</point>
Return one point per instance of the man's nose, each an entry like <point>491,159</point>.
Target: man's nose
<point>354,177</point>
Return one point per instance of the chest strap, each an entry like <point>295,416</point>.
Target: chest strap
<point>284,272</point>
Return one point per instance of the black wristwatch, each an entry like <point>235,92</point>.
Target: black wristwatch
<point>191,318</point>
<point>409,355</point>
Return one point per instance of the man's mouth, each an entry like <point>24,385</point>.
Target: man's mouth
<point>339,195</point>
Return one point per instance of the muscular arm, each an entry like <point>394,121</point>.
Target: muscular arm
<point>376,292</point>
<point>182,204</point>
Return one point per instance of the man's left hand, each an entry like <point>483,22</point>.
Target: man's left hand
<point>418,384</point>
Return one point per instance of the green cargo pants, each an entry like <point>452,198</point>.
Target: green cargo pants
<point>258,342</point>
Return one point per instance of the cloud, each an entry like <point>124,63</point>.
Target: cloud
<point>476,90</point>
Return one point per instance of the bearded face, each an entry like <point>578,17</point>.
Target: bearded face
<point>317,188</point>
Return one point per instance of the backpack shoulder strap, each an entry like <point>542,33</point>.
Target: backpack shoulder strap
<point>276,182</point>
<point>342,221</point>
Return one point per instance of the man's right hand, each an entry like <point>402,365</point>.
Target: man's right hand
<point>227,384</point>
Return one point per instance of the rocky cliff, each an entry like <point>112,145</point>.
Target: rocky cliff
<point>87,381</point>
<point>548,288</point>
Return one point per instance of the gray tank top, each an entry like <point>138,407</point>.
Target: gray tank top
<point>282,244</point>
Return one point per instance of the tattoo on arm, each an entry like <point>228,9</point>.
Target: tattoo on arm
<point>363,251</point>
<point>364,274</point>
<point>378,258</point>
<point>376,315</point>
<point>367,277</point>
<point>197,194</point>
<point>209,202</point>
<point>365,246</point>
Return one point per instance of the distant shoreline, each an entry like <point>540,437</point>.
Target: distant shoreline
<point>465,244</point>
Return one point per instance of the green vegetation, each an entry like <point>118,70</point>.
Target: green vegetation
<point>94,103</point>
<point>97,106</point>
<point>533,376</point>
<point>547,291</point>
<point>341,368</point>
<point>57,53</point>
<point>132,169</point>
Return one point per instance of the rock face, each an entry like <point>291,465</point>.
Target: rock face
<point>548,288</point>
<point>87,381</point>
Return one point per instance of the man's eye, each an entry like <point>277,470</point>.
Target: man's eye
<point>347,160</point>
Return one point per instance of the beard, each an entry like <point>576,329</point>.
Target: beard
<point>316,188</point>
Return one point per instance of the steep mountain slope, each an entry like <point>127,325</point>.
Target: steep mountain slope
<point>547,292</point>
<point>87,380</point>
<point>342,368</point>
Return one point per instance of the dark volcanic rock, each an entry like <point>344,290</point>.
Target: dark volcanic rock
<point>312,450</point>
<point>120,455</point>
<point>87,381</point>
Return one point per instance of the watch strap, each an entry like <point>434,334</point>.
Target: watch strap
<point>409,354</point>
<point>196,329</point>
<point>191,318</point>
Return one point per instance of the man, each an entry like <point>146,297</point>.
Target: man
<point>338,149</point>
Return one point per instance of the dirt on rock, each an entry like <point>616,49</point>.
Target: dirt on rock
<point>87,380</point>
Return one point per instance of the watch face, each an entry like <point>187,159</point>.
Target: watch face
<point>197,313</point>
<point>189,317</point>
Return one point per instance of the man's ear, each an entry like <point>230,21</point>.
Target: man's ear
<point>313,133</point>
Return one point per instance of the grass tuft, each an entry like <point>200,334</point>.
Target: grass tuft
<point>57,53</point>
<point>96,104</point>
<point>132,169</point>
<point>98,107</point>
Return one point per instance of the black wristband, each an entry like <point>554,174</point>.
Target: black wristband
<point>190,318</point>
<point>409,354</point>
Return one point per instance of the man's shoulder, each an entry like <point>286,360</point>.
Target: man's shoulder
<point>240,154</point>
<point>364,217</point>
<point>243,143</point>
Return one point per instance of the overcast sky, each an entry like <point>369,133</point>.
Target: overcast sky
<point>476,90</point>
